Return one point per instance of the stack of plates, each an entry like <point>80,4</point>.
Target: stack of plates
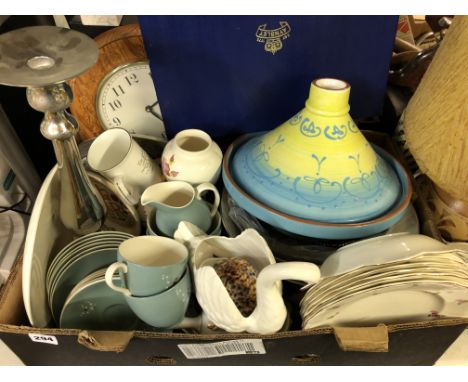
<point>76,261</point>
<point>409,278</point>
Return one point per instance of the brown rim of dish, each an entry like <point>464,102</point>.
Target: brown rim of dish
<point>397,209</point>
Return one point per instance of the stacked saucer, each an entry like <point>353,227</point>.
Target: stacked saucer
<point>390,279</point>
<point>76,261</point>
<point>91,304</point>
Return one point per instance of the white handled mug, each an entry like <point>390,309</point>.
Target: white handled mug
<point>118,157</point>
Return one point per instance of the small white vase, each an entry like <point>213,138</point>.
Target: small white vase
<point>192,156</point>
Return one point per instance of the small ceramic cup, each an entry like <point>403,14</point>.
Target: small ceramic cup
<point>165,309</point>
<point>148,264</point>
<point>117,156</point>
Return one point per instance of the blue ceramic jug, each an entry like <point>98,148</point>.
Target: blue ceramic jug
<point>178,201</point>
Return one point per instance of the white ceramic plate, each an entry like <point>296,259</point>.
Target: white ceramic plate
<point>315,304</point>
<point>368,279</point>
<point>452,259</point>
<point>379,250</point>
<point>45,232</point>
<point>46,236</point>
<point>330,288</point>
<point>402,302</point>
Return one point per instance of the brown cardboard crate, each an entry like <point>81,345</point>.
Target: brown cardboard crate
<point>413,343</point>
<point>408,344</point>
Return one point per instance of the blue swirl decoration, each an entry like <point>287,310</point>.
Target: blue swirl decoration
<point>309,129</point>
<point>336,133</point>
<point>317,190</point>
<point>296,119</point>
<point>363,187</point>
<point>352,127</point>
<point>319,162</point>
<point>259,155</point>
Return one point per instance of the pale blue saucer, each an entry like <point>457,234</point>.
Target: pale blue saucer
<point>98,307</point>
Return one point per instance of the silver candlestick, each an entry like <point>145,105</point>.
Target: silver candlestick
<point>41,59</point>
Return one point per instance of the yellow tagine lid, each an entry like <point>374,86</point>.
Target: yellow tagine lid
<point>318,165</point>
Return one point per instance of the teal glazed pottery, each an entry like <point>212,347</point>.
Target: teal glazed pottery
<point>166,309</point>
<point>97,307</point>
<point>148,265</point>
<point>152,230</point>
<point>310,227</point>
<point>178,201</point>
<point>75,272</point>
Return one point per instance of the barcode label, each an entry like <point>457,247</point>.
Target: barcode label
<point>222,349</point>
<point>51,340</point>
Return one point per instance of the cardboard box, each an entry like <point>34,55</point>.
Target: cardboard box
<point>408,344</point>
<point>414,343</point>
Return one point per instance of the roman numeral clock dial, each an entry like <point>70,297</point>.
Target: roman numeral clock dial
<point>126,98</point>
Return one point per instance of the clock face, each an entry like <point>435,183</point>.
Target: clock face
<point>126,98</point>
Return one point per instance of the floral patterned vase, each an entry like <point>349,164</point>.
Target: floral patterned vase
<point>192,156</point>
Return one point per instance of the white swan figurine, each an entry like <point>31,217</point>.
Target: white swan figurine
<point>270,311</point>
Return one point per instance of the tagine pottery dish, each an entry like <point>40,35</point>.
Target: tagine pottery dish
<point>311,227</point>
<point>318,165</point>
<point>237,282</point>
<point>291,247</point>
<point>192,156</point>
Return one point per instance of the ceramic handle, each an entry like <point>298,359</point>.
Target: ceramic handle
<point>189,234</point>
<point>209,187</point>
<point>110,274</point>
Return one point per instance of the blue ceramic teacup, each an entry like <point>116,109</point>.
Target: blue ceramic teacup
<point>148,265</point>
<point>165,309</point>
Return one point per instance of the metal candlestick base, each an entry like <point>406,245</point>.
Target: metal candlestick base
<point>42,59</point>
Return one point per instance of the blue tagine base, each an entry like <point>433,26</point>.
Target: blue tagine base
<point>312,196</point>
<point>254,190</point>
